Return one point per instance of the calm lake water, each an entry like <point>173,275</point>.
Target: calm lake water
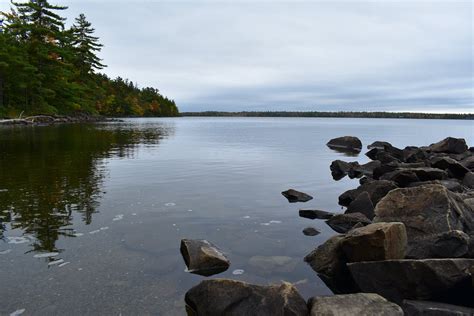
<point>114,200</point>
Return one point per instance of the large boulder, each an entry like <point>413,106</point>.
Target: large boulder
<point>342,223</point>
<point>360,304</point>
<point>294,196</point>
<point>374,242</point>
<point>315,214</point>
<point>339,168</point>
<point>376,190</point>
<point>229,297</point>
<point>202,257</point>
<point>426,211</point>
<point>329,261</point>
<point>449,145</point>
<point>427,308</point>
<point>362,204</point>
<point>444,280</point>
<point>349,143</point>
<point>452,166</point>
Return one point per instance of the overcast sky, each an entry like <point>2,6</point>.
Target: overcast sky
<point>291,55</point>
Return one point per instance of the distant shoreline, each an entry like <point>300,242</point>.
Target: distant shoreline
<point>402,115</point>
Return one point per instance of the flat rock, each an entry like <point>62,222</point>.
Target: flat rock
<point>376,189</point>
<point>374,242</point>
<point>342,223</point>
<point>445,280</point>
<point>362,204</point>
<point>294,196</point>
<point>426,211</point>
<point>315,214</point>
<point>229,297</point>
<point>202,257</point>
<point>329,261</point>
<point>427,308</point>
<point>311,231</point>
<point>450,145</point>
<point>360,304</point>
<point>350,143</point>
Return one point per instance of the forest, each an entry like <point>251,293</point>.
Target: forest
<point>48,68</point>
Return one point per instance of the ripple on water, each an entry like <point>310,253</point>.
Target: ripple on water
<point>18,312</point>
<point>46,255</point>
<point>238,272</point>
<point>4,252</point>
<point>17,240</point>
<point>55,262</point>
<point>118,217</point>
<point>170,204</point>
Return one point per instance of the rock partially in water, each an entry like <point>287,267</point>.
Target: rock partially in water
<point>329,261</point>
<point>311,231</point>
<point>446,280</point>
<point>362,204</point>
<point>296,196</point>
<point>449,145</point>
<point>349,143</point>
<point>339,168</point>
<point>315,214</point>
<point>427,308</point>
<point>273,264</point>
<point>360,304</point>
<point>342,223</point>
<point>229,297</point>
<point>379,145</point>
<point>374,242</point>
<point>426,211</point>
<point>202,257</point>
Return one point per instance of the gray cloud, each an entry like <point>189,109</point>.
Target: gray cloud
<point>292,55</point>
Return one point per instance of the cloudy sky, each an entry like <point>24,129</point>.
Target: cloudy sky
<point>291,55</point>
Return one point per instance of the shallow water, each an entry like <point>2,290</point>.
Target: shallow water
<point>92,215</point>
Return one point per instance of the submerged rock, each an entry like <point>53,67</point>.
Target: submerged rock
<point>349,143</point>
<point>449,145</point>
<point>374,242</point>
<point>360,304</point>
<point>427,308</point>
<point>311,231</point>
<point>202,257</point>
<point>342,223</point>
<point>273,264</point>
<point>426,211</point>
<point>315,214</point>
<point>296,196</point>
<point>229,297</point>
<point>446,280</point>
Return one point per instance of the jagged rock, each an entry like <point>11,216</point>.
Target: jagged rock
<point>449,145</point>
<point>378,241</point>
<point>202,257</point>
<point>392,166</point>
<point>339,168</point>
<point>402,177</point>
<point>362,204</point>
<point>379,145</point>
<point>451,244</point>
<point>342,223</point>
<point>360,304</point>
<point>367,169</point>
<point>445,280</point>
<point>315,214</point>
<point>329,262</point>
<point>294,196</point>
<point>468,180</point>
<point>376,189</point>
<point>453,167</point>
<point>229,297</point>
<point>381,155</point>
<point>414,154</point>
<point>450,184</point>
<point>427,308</point>
<point>350,143</point>
<point>311,231</point>
<point>468,163</point>
<point>426,212</point>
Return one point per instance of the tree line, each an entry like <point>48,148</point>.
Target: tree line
<point>47,68</point>
<point>407,115</point>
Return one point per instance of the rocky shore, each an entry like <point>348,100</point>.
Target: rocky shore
<point>54,119</point>
<point>405,242</point>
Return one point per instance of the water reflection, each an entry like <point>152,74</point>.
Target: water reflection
<point>50,174</point>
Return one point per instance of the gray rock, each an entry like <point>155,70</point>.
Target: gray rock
<point>374,242</point>
<point>294,196</point>
<point>427,308</point>
<point>315,214</point>
<point>339,168</point>
<point>350,143</point>
<point>379,145</point>
<point>362,204</point>
<point>451,165</point>
<point>360,304</point>
<point>426,211</point>
<point>329,262</point>
<point>367,169</point>
<point>450,145</point>
<point>468,163</point>
<point>376,190</point>
<point>202,257</point>
<point>446,280</point>
<point>342,223</point>
<point>229,297</point>
<point>468,180</point>
<point>311,231</point>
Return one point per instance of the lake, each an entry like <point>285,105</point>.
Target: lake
<point>113,200</point>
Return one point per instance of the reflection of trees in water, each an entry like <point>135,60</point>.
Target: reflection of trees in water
<point>51,173</point>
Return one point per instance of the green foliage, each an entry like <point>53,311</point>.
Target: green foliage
<point>48,69</point>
